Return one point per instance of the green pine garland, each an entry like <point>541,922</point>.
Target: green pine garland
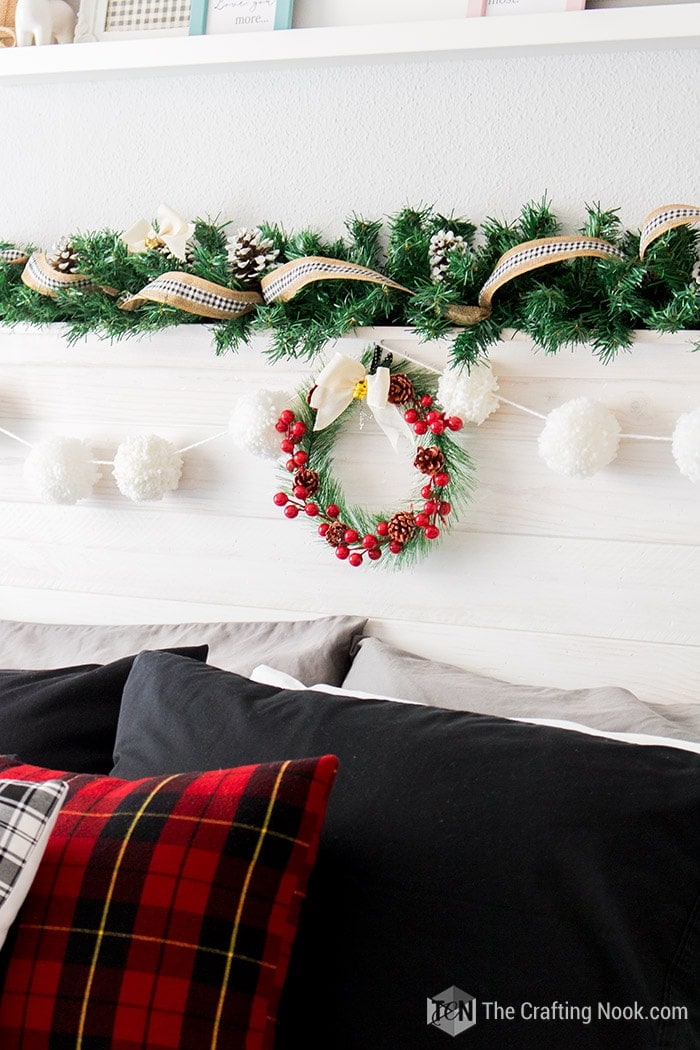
<point>599,302</point>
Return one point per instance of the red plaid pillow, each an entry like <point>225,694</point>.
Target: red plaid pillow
<point>163,912</point>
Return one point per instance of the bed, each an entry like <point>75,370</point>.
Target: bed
<point>470,795</point>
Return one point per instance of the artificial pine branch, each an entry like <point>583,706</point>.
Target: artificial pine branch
<point>597,301</point>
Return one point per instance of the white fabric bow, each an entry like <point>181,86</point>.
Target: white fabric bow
<point>337,386</point>
<point>172,230</point>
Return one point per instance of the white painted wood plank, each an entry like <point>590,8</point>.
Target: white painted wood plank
<point>642,592</point>
<point>657,355</point>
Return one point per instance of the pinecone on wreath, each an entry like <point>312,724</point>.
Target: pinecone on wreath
<point>401,389</point>
<point>336,533</point>
<point>441,245</point>
<point>250,254</point>
<point>63,257</point>
<point>309,479</point>
<point>401,526</point>
<point>429,460</point>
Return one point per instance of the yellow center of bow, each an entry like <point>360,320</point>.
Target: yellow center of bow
<point>360,390</point>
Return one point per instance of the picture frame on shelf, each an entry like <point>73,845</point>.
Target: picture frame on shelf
<point>131,19</point>
<point>530,7</point>
<point>7,23</point>
<point>239,16</point>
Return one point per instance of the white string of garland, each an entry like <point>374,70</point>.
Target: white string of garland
<point>578,439</point>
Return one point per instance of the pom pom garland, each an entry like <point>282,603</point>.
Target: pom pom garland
<point>579,438</point>
<point>686,445</point>
<point>61,470</point>
<point>252,423</point>
<point>470,395</point>
<point>146,467</point>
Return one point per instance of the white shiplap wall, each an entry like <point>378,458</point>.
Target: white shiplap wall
<point>546,580</point>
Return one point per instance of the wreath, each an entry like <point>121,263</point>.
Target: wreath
<point>402,399</point>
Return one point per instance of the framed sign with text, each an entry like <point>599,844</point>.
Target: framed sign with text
<point>239,16</point>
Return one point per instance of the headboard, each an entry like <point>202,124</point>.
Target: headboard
<point>546,580</point>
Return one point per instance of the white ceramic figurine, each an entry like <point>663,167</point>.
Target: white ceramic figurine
<point>44,22</point>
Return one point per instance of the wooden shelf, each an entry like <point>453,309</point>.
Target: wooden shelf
<point>636,28</point>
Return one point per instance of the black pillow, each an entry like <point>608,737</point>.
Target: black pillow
<point>67,718</point>
<point>545,872</point>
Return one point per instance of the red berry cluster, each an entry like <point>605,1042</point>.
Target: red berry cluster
<point>434,510</point>
<point>423,418</point>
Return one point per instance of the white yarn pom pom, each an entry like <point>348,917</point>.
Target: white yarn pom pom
<point>686,445</point>
<point>469,395</point>
<point>146,467</point>
<point>252,423</point>
<point>59,470</point>
<point>579,438</point>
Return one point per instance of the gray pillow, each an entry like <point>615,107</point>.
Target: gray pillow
<point>312,650</point>
<point>380,668</point>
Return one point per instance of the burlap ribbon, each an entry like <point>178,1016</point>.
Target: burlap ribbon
<point>194,295</point>
<point>531,255</point>
<point>13,256</point>
<point>42,277</point>
<point>285,281</point>
<point>197,296</point>
<point>665,218</point>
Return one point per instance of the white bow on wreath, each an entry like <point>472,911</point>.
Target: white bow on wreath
<point>344,380</point>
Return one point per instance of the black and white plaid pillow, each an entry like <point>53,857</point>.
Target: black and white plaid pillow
<point>28,813</point>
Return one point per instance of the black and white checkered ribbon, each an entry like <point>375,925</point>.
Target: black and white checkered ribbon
<point>194,295</point>
<point>666,218</point>
<point>12,255</point>
<point>542,252</point>
<point>41,276</point>
<point>285,281</point>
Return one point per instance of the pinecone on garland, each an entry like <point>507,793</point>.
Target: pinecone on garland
<point>401,526</point>
<point>336,533</point>
<point>309,479</point>
<point>695,272</point>
<point>190,250</point>
<point>250,255</point>
<point>401,389</point>
<point>429,460</point>
<point>442,244</point>
<point>63,257</point>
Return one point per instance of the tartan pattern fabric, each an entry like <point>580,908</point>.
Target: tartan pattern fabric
<point>132,15</point>
<point>164,909</point>
<point>27,814</point>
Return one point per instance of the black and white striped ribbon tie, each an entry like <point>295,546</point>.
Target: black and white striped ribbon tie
<point>194,295</point>
<point>13,256</point>
<point>665,218</point>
